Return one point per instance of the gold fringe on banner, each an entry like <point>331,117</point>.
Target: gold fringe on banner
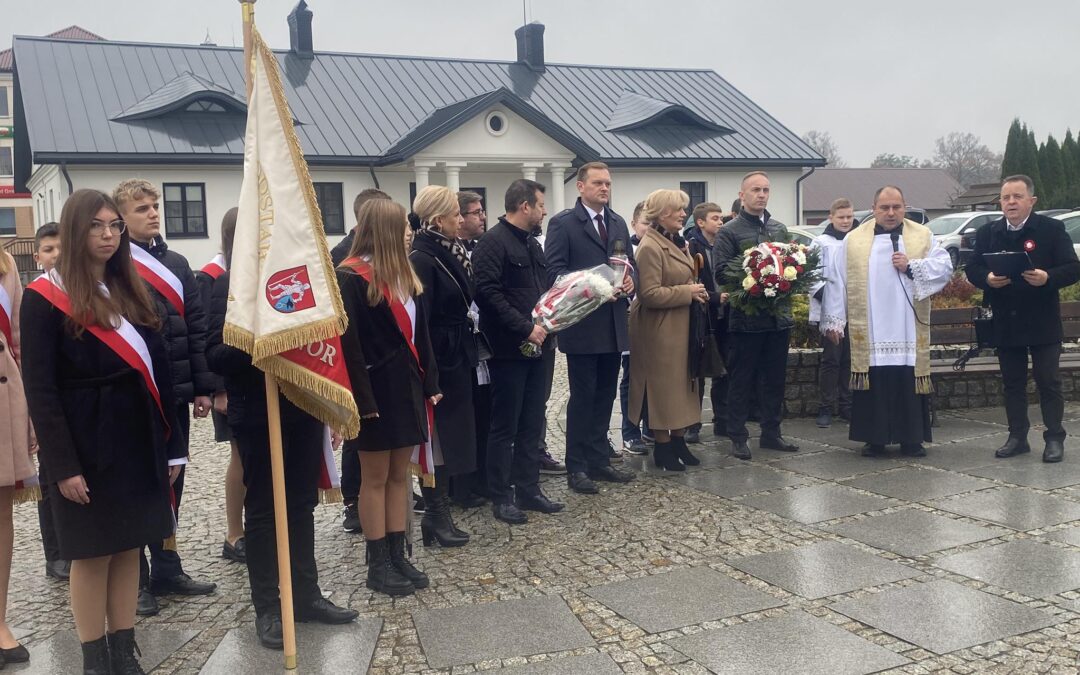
<point>30,493</point>
<point>331,496</point>
<point>169,543</point>
<point>860,381</point>
<point>273,344</point>
<point>301,386</point>
<point>923,385</point>
<point>426,479</point>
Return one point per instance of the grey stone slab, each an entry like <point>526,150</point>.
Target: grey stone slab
<point>454,636</point>
<point>1012,507</point>
<point>942,616</point>
<point>960,456</point>
<point>997,414</point>
<point>793,643</point>
<point>918,485</point>
<point>959,429</point>
<point>1071,605</point>
<point>818,502</point>
<point>62,654</point>
<point>1069,535</point>
<point>740,480</point>
<point>1030,567</point>
<point>681,598</point>
<point>590,664</point>
<point>823,569</point>
<point>1030,471</point>
<point>711,458</point>
<point>838,464</point>
<point>319,649</point>
<point>913,533</point>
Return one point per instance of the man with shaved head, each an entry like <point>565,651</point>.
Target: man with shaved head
<point>878,290</point>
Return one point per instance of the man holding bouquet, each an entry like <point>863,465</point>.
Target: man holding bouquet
<point>758,343</point>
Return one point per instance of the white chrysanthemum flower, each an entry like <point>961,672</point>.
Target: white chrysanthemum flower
<point>790,273</point>
<point>770,292</point>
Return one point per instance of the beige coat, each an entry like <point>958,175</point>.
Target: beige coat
<point>15,435</point>
<point>660,335</point>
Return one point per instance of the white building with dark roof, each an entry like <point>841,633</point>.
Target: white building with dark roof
<point>93,113</point>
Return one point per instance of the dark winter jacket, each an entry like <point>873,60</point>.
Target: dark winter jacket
<point>206,290</point>
<point>185,336</point>
<point>699,245</point>
<point>741,233</point>
<point>342,248</point>
<point>1024,314</point>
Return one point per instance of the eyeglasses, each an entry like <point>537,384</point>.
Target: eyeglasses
<point>117,227</point>
<point>474,213</point>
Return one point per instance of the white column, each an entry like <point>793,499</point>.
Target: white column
<point>557,201</point>
<point>453,174</point>
<point>529,169</point>
<point>422,172</point>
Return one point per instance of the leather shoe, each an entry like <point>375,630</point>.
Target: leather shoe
<point>470,501</point>
<point>236,552</point>
<point>58,569</point>
<point>580,483</point>
<point>268,628</point>
<point>692,436</point>
<point>181,584</point>
<point>17,654</point>
<point>610,474</point>
<point>1013,447</point>
<point>777,443</point>
<point>914,450</point>
<point>1054,452</point>
<point>324,611</point>
<point>508,513</point>
<point>870,450</point>
<point>147,605</point>
<point>539,502</point>
<point>740,450</point>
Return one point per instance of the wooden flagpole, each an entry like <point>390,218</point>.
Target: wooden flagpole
<point>273,417</point>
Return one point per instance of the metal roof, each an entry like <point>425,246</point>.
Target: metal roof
<point>74,32</point>
<point>177,93</point>
<point>932,189</point>
<point>978,195</point>
<point>363,108</point>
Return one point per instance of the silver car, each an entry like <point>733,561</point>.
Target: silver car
<point>952,229</point>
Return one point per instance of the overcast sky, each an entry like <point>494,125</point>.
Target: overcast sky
<point>879,77</point>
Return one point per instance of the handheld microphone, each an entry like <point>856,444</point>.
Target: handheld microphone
<point>895,236</point>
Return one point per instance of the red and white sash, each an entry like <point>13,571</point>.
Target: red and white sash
<point>125,341</point>
<point>5,316</point>
<point>215,268</point>
<point>160,277</point>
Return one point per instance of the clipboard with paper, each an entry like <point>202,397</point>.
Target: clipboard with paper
<point>1010,264</point>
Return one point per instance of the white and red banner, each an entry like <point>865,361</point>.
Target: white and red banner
<point>216,267</point>
<point>284,305</point>
<point>5,316</point>
<point>160,277</point>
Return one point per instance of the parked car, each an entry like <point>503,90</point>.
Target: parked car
<point>1053,213</point>
<point>1072,227</point>
<point>962,236</point>
<point>802,235</point>
<point>912,213</point>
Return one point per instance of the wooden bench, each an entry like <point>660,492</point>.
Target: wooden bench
<point>954,327</point>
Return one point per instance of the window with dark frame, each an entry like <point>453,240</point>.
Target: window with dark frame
<point>7,222</point>
<point>328,195</point>
<point>185,210</point>
<point>6,167</point>
<point>696,191</point>
<point>5,110</point>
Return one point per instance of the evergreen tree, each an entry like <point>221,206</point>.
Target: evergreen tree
<point>1010,163</point>
<point>1029,161</point>
<point>1070,161</point>
<point>1052,172</point>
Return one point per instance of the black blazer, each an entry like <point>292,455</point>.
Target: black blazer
<point>1024,314</point>
<point>511,275</point>
<point>571,244</point>
<point>448,293</point>
<point>386,379</point>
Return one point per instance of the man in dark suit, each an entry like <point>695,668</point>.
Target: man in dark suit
<point>579,238</point>
<point>1027,316</point>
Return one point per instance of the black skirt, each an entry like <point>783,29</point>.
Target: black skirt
<point>890,412</point>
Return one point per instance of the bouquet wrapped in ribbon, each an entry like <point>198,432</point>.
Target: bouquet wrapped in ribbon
<point>768,274</point>
<point>574,296</point>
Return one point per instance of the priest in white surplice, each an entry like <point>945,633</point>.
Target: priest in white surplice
<point>879,292</point>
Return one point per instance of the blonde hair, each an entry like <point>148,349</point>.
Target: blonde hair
<point>436,201</point>
<point>839,203</point>
<point>4,264</point>
<point>662,201</point>
<point>380,235</point>
<point>132,189</point>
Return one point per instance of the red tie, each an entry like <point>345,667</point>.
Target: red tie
<point>600,228</point>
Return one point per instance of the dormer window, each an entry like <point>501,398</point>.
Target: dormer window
<point>205,106</point>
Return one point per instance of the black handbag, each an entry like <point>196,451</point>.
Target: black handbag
<point>712,363</point>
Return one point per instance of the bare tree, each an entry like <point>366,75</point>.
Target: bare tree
<point>967,159</point>
<point>893,161</point>
<point>823,143</point>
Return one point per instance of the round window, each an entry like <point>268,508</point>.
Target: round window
<point>495,123</point>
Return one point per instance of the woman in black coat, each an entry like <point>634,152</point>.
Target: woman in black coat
<point>444,269</point>
<point>395,382</point>
<point>100,395</point>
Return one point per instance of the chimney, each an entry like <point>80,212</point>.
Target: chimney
<point>530,46</point>
<point>300,31</point>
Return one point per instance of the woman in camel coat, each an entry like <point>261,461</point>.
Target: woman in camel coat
<point>660,328</point>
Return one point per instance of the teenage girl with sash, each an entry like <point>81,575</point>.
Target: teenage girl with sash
<point>396,387</point>
<point>101,399</point>
<point>18,480</point>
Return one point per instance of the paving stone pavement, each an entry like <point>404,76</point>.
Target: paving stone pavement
<point>949,536</point>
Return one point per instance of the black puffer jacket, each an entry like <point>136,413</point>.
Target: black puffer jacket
<point>739,234</point>
<point>185,336</point>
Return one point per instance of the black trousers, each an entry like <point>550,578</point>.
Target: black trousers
<point>350,477</point>
<point>594,379</point>
<point>549,379</point>
<point>1044,368</point>
<point>834,375</point>
<point>718,393</point>
<point>630,431</point>
<point>756,356</point>
<point>302,438</point>
<point>48,528</point>
<point>517,417</point>
<point>476,482</point>
<point>167,564</point>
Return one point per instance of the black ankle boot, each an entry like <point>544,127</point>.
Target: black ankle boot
<point>95,657</point>
<point>381,574</point>
<point>664,457</point>
<point>122,649</point>
<point>683,452</point>
<point>401,562</point>
<point>437,524</point>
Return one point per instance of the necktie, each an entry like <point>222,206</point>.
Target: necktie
<point>601,228</point>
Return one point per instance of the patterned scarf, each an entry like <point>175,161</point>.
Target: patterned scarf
<point>456,248</point>
<point>674,238</point>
